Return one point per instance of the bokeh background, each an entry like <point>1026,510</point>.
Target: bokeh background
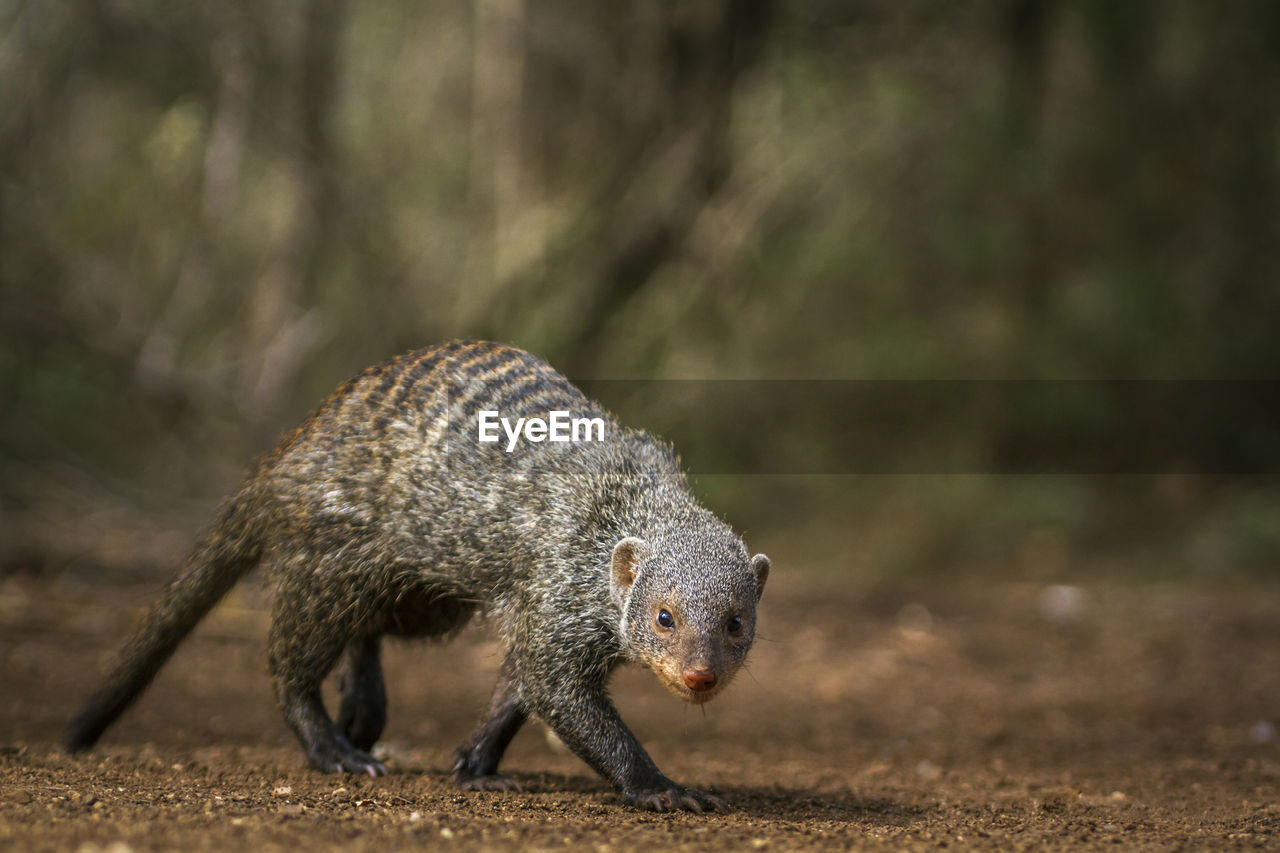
<point>211,214</point>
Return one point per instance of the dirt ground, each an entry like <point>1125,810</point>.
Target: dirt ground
<point>952,715</point>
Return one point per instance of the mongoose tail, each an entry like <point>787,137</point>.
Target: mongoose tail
<point>226,552</point>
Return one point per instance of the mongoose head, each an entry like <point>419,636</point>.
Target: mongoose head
<point>688,607</point>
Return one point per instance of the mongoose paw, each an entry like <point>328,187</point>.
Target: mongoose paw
<point>675,798</point>
<point>492,782</point>
<point>336,759</point>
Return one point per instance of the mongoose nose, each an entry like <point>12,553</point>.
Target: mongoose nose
<point>699,679</point>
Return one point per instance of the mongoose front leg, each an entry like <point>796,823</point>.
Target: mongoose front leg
<point>579,711</point>
<point>362,714</point>
<point>476,764</point>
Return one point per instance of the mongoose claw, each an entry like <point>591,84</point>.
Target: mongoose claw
<point>363,762</point>
<point>492,782</point>
<point>348,761</point>
<point>674,799</point>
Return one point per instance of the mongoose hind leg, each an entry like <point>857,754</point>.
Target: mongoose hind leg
<point>305,644</point>
<point>362,714</point>
<point>327,749</point>
<point>476,764</point>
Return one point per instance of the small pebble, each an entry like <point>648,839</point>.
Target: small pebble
<point>928,771</point>
<point>1062,603</point>
<point>915,617</point>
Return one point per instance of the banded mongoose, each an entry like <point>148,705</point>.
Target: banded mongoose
<point>384,513</point>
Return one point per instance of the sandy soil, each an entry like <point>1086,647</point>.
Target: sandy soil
<point>960,715</point>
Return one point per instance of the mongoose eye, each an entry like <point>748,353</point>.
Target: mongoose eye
<point>735,625</point>
<point>666,620</point>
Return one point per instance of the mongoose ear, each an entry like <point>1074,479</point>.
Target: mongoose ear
<point>760,567</point>
<point>627,555</point>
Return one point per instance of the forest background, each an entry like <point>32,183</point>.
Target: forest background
<point>917,288</point>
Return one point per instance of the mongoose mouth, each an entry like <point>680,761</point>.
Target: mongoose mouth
<point>696,697</point>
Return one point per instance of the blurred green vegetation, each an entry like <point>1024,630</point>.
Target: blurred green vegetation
<point>212,214</point>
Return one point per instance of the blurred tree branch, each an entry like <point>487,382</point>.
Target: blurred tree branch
<point>283,327</point>
<point>659,164</point>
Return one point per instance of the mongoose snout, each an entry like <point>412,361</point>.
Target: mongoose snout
<point>699,680</point>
